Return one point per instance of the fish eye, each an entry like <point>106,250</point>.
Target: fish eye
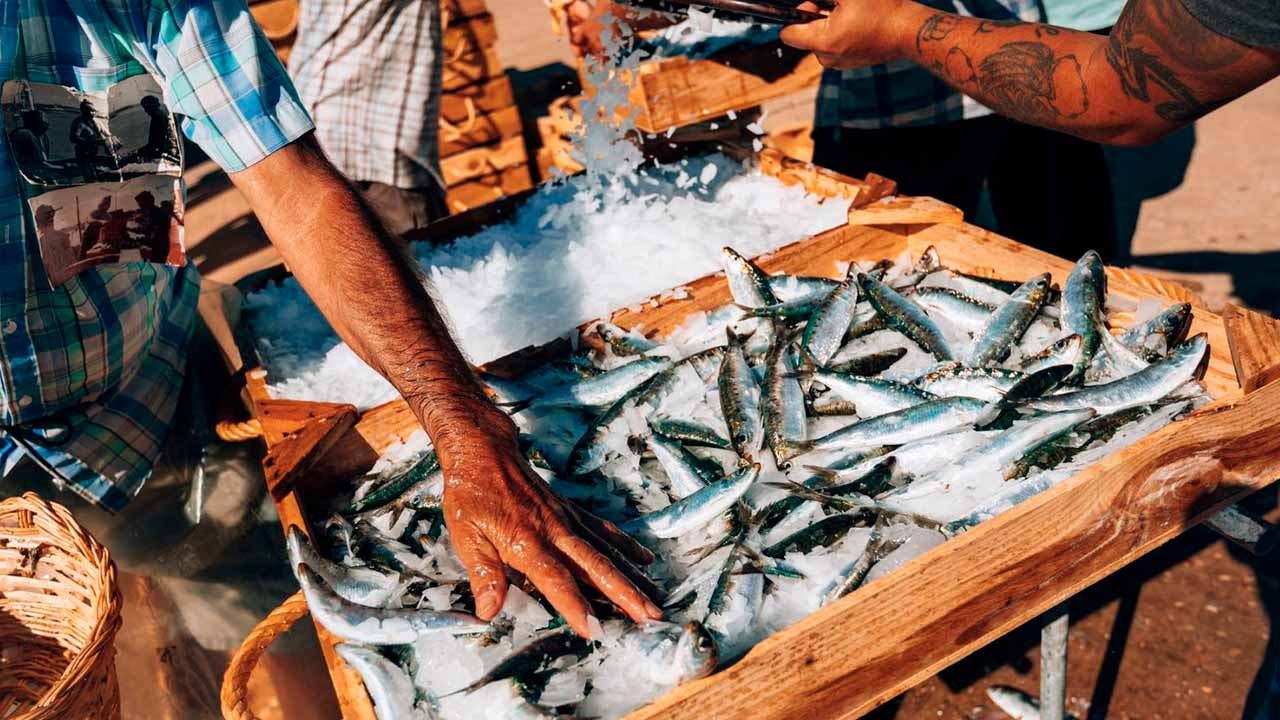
<point>740,438</point>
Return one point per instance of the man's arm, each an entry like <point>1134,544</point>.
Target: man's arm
<point>496,509</point>
<point>1159,69</point>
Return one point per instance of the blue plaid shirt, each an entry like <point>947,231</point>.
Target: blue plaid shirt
<point>104,353</point>
<point>903,94</point>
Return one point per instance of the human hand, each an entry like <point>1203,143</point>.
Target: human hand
<point>499,511</point>
<point>858,33</point>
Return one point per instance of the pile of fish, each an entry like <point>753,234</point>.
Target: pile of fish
<point>776,453</point>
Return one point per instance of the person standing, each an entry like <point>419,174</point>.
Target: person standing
<point>371,73</point>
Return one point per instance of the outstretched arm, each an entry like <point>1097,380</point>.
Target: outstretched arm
<point>1159,69</point>
<point>497,510</point>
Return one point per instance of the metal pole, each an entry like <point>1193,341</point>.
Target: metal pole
<point>1248,531</point>
<point>1053,664</point>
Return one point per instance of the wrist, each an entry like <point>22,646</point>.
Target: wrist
<point>463,420</point>
<point>904,26</point>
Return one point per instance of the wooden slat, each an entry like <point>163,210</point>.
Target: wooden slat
<point>486,129</point>
<point>906,211</point>
<point>471,68</point>
<point>1255,346</point>
<point>455,9</point>
<point>481,161</point>
<point>353,700</point>
<point>682,91</point>
<point>487,189</point>
<point>859,652</point>
<point>471,36</point>
<point>465,103</point>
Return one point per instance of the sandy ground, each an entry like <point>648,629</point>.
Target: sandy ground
<point>1179,635</point>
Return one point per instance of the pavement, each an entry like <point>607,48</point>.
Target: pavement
<point>1179,635</point>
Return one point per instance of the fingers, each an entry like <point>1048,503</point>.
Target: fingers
<point>608,578</point>
<point>620,561</point>
<point>542,567</point>
<point>808,36</point>
<point>485,570</point>
<point>608,532</point>
<point>807,7</point>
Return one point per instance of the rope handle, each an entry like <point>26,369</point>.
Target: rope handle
<point>227,427</point>
<point>235,681</point>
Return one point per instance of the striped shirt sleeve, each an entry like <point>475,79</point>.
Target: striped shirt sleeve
<point>221,75</point>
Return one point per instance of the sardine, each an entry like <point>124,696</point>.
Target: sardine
<point>682,468</point>
<point>873,396</point>
<point>1005,326</point>
<point>906,317</point>
<point>783,411</point>
<point>966,312</point>
<point>927,419</point>
<point>370,626</point>
<point>824,332</point>
<point>603,389</point>
<point>1062,351</point>
<point>390,688</point>
<point>789,288</point>
<point>1152,339</point>
<point>624,343</point>
<point>673,653</point>
<point>850,577</point>
<point>740,400</point>
<point>984,383</point>
<point>870,364</point>
<point>425,469</point>
<point>1185,363</point>
<point>748,283</point>
<point>823,533</point>
<point>689,432</point>
<point>534,657</point>
<point>692,512</point>
<point>793,311</point>
<point>360,585</point>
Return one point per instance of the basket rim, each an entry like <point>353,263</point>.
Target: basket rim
<point>94,661</point>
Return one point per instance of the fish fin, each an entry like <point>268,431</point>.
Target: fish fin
<point>1035,385</point>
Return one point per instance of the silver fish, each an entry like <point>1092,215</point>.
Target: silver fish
<point>980,291</point>
<point>1062,351</point>
<point>390,688</point>
<point>825,331</point>
<point>783,412</point>
<point>794,310</point>
<point>927,419</point>
<point>591,450</point>
<point>790,288</point>
<point>692,512</point>
<point>1185,363</point>
<point>605,388</point>
<point>1153,338</point>
<point>680,465</point>
<point>673,653</point>
<point>623,342</point>
<point>851,576</point>
<point>873,396</point>
<point>1006,325</point>
<point>967,312</point>
<point>969,479</point>
<point>360,585</point>
<point>740,400</point>
<point>689,432</point>
<point>370,626</point>
<point>1081,313</point>
<point>1015,703</point>
<point>748,284</point>
<point>906,317</point>
<point>984,383</point>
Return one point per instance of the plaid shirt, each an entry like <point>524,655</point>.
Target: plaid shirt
<point>370,74</point>
<point>105,352</point>
<point>902,94</point>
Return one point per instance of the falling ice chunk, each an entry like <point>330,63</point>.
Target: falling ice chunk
<point>708,173</point>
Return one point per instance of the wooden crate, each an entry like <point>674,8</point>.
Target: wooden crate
<point>486,97</point>
<point>884,638</point>
<point>489,188</point>
<point>468,35</point>
<point>485,160</point>
<point>471,68</point>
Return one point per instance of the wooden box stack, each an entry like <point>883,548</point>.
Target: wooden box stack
<point>482,152</point>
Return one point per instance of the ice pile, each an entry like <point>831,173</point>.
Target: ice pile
<point>575,251</point>
<point>689,443</point>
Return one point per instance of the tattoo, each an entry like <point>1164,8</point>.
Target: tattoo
<point>990,26</point>
<point>1150,34</point>
<point>935,29</point>
<point>1024,80</point>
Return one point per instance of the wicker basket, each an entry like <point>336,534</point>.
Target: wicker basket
<point>59,613</point>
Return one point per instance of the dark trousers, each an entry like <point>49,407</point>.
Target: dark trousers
<point>403,209</point>
<point>1048,190</point>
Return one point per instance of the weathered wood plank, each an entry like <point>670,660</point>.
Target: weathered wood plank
<point>455,9</point>
<point>486,189</point>
<point>293,452</point>
<point>906,211</point>
<point>470,36</point>
<point>471,68</point>
<point>861,651</point>
<point>486,129</point>
<point>1255,346</point>
<point>459,106</point>
<point>485,160</point>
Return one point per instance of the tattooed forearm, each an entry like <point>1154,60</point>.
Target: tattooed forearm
<point>935,29</point>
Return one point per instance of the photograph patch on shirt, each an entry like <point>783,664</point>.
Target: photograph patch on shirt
<point>139,220</point>
<point>60,137</point>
